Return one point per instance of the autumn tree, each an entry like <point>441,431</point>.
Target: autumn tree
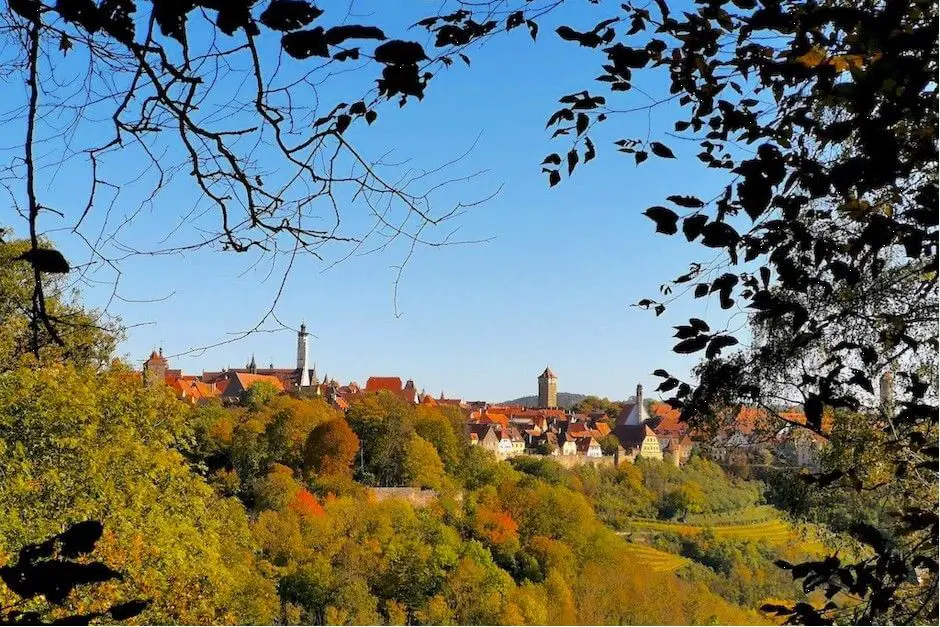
<point>331,448</point>
<point>290,424</point>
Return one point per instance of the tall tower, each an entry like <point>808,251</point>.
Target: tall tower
<point>155,369</point>
<point>886,392</point>
<point>548,389</point>
<point>302,336</point>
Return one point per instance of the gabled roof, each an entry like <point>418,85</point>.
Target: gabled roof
<point>583,444</point>
<point>389,384</point>
<point>632,436</point>
<point>493,417</point>
<point>578,429</point>
<point>246,380</point>
<point>156,358</point>
<point>669,422</point>
<point>633,414</point>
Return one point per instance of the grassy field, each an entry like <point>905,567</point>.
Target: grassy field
<point>658,561</point>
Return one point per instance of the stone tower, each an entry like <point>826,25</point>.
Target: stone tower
<point>302,336</point>
<point>155,369</point>
<point>886,392</point>
<point>548,389</point>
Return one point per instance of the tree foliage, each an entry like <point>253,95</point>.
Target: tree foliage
<point>331,448</point>
<point>79,335</point>
<point>825,117</point>
<point>78,445</point>
<point>50,570</point>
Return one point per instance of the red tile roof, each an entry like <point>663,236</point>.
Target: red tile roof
<point>389,384</point>
<point>246,380</point>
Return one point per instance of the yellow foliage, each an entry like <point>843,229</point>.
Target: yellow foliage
<point>814,57</point>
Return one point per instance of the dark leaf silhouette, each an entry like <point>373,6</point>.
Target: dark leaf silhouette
<point>40,570</point>
<point>397,52</point>
<point>46,260</point>
<point>126,611</point>
<point>304,44</point>
<point>80,538</point>
<point>285,15</point>
<point>686,201</point>
<point>691,345</point>
<point>661,150</point>
<point>339,34</point>
<point>665,219</point>
<point>693,225</point>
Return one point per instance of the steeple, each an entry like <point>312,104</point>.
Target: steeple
<point>252,366</point>
<point>637,414</point>
<point>302,336</point>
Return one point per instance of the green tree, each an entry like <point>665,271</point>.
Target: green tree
<point>423,468</point>
<point>609,444</point>
<point>78,335</point>
<point>436,427</point>
<point>75,445</point>
<point>593,403</point>
<point>384,424</point>
<point>257,395</point>
<point>682,501</point>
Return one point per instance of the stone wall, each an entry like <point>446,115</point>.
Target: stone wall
<point>415,496</point>
<point>570,461</point>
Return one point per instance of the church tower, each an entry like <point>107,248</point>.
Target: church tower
<point>548,389</point>
<point>302,336</point>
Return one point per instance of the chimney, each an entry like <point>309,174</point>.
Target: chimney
<point>639,395</point>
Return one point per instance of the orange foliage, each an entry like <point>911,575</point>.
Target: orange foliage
<point>496,525</point>
<point>306,504</point>
<point>223,430</point>
<point>331,448</point>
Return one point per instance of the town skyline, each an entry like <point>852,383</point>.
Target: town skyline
<point>549,276</point>
<point>364,372</point>
<point>318,374</point>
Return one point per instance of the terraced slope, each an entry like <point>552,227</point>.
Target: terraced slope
<point>658,561</point>
<point>772,531</point>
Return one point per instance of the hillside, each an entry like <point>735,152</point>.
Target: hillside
<point>565,400</point>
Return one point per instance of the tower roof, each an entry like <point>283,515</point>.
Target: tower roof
<point>547,374</point>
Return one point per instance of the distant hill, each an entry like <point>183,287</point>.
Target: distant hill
<point>565,400</point>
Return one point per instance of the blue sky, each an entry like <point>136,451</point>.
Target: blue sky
<point>552,285</point>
